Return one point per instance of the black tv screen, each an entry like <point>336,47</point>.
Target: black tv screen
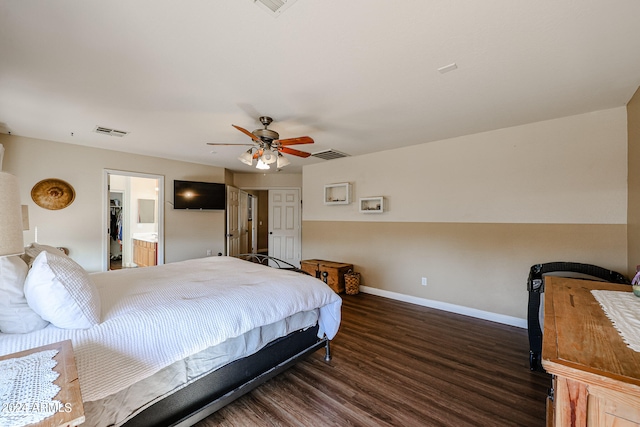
<point>198,195</point>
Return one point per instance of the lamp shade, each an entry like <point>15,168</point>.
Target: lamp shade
<point>261,164</point>
<point>11,241</point>
<point>268,157</point>
<point>247,157</point>
<point>282,161</point>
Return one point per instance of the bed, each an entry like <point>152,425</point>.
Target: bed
<point>172,344</point>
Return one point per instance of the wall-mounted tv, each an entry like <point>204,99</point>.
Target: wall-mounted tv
<point>199,195</point>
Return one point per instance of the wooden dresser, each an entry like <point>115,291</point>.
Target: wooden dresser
<point>596,377</point>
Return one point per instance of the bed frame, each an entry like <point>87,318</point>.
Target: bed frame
<point>271,262</point>
<point>208,394</point>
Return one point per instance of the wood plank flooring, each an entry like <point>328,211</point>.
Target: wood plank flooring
<point>398,364</point>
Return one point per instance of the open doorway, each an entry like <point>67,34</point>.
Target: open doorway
<point>134,206</point>
<point>247,225</point>
<point>261,217</point>
<point>258,221</point>
<point>275,219</point>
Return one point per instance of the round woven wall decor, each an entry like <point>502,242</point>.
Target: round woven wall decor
<point>53,194</point>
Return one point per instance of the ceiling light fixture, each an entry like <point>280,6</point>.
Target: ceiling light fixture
<point>269,146</point>
<point>261,165</point>
<point>247,157</point>
<point>282,161</point>
<point>265,156</point>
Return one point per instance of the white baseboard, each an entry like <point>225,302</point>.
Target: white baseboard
<point>453,308</point>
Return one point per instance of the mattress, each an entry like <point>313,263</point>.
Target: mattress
<point>153,317</point>
<point>116,409</point>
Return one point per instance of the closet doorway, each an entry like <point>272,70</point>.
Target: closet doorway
<point>134,207</point>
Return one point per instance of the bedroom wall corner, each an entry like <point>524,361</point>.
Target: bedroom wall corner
<point>633,158</point>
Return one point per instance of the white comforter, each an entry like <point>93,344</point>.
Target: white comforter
<point>152,317</point>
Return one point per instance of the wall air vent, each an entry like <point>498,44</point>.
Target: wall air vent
<point>110,132</point>
<point>329,154</point>
<point>274,7</point>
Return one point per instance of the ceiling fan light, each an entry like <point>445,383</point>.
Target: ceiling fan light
<point>261,164</point>
<point>268,157</point>
<point>246,157</point>
<point>282,161</point>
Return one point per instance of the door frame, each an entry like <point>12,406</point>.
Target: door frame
<point>253,205</point>
<point>299,237</point>
<point>106,211</point>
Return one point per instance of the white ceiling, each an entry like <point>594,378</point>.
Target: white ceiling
<point>358,76</point>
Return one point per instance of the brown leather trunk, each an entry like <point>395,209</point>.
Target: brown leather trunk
<point>335,272</point>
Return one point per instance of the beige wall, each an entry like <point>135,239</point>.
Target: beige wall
<point>481,266</point>
<point>263,180</point>
<point>569,170</point>
<point>80,227</point>
<point>472,214</point>
<point>633,217</point>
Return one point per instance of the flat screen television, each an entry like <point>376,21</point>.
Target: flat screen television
<point>199,195</point>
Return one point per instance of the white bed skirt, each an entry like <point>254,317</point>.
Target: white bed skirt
<point>118,408</point>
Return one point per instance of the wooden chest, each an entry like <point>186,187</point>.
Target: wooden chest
<point>335,271</point>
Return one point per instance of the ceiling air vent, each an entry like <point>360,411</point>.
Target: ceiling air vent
<point>110,132</point>
<point>329,154</point>
<point>274,7</point>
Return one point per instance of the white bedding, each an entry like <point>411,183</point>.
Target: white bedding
<point>152,317</point>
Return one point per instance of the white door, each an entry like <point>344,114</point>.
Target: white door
<point>284,225</point>
<point>233,221</point>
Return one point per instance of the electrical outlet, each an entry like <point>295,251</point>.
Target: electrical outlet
<point>424,281</point>
<point>209,252</point>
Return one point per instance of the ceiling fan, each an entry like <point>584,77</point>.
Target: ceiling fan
<point>268,148</point>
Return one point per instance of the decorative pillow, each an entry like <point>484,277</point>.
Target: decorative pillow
<point>60,291</point>
<point>16,317</point>
<point>32,251</point>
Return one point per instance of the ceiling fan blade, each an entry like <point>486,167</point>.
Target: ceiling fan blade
<point>246,132</point>
<point>294,152</point>
<point>296,141</point>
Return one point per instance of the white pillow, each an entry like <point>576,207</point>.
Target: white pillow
<point>60,291</point>
<point>16,317</point>
<point>32,251</point>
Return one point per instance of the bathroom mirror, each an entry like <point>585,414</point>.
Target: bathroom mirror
<point>146,211</point>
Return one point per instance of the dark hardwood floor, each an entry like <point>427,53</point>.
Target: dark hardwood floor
<point>398,364</point>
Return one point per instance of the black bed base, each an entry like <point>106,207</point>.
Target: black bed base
<point>219,388</point>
